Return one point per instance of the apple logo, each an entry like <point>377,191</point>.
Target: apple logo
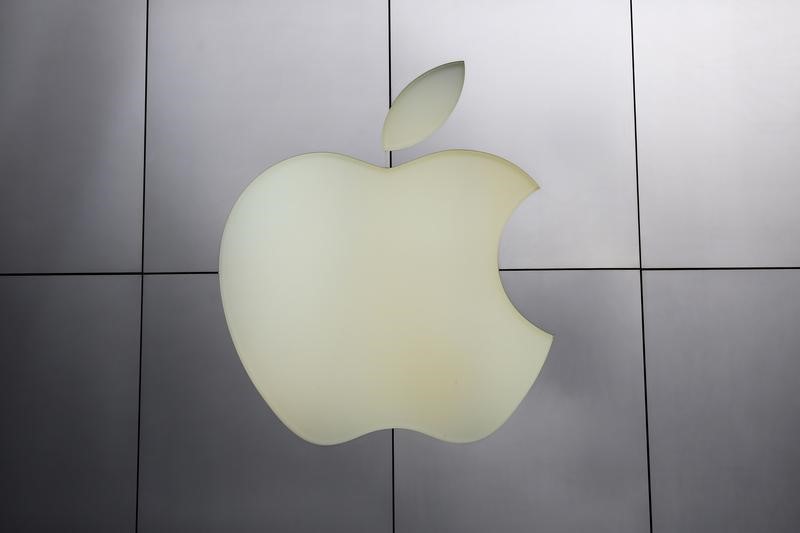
<point>362,298</point>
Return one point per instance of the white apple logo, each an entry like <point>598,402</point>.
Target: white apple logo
<point>362,298</point>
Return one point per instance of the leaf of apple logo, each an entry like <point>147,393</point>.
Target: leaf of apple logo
<point>362,298</point>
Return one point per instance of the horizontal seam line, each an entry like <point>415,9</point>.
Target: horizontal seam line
<point>543,269</point>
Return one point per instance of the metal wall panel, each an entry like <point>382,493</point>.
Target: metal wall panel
<point>213,455</point>
<point>548,86</point>
<point>717,87</point>
<point>722,367</point>
<point>68,402</point>
<point>572,457</point>
<point>237,86</point>
<point>71,135</point>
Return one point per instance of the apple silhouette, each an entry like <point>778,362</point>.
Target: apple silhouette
<point>362,298</point>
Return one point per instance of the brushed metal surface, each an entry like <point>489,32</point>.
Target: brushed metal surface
<point>213,455</point>
<point>572,457</point>
<point>235,87</point>
<point>68,403</point>
<point>548,87</point>
<point>71,135</point>
<point>722,367</point>
<point>719,126</point>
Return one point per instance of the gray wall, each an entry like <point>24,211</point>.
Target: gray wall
<point>663,251</point>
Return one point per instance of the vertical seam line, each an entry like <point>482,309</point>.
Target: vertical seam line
<point>641,272</point>
<point>141,266</point>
